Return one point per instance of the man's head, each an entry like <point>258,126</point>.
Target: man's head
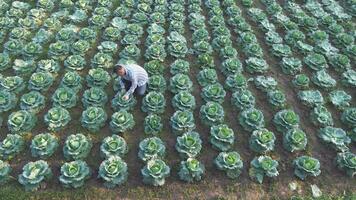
<point>119,69</point>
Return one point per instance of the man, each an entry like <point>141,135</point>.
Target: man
<point>133,78</point>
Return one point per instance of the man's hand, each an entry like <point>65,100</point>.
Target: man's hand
<point>125,97</point>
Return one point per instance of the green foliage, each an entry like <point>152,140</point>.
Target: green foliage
<point>108,47</point>
<point>44,145</point>
<point>5,61</point>
<point>205,61</point>
<point>33,102</point>
<point>11,146</point>
<point>346,162</point>
<point>236,82</point>
<point>157,83</point>
<point>8,100</point>
<point>113,171</point>
<point>189,144</point>
<point>180,82</point>
<point>285,120</point>
<point>322,79</point>
<point>64,97</point>
<point>151,148</point>
<point>315,61</point>
<point>251,119</point>
<point>57,118</point>
<point>72,80</point>
<point>222,137</point>
<point>348,78</point>
<point>265,83</point>
<point>207,77</point>
<point>191,170</point>
<point>230,162</point>
<point>212,113</point>
<point>291,66</point>
<point>121,121</point>
<point>98,77</point>
<point>262,141</point>
<point>102,60</point>
<point>21,121</point>
<point>118,103</point>
<point>153,124</point>
<point>154,67</point>
<point>5,170</point>
<point>306,166</point>
<point>153,102</point>
<point>113,145</point>
<point>77,147</point>
<point>214,92</point>
<point>301,81</point>
<point>180,66</point>
<point>93,118</point>
<point>177,45</point>
<point>311,98</point>
<point>12,84</point>
<point>94,96</point>
<point>74,174</point>
<point>243,99</point>
<point>340,62</point>
<point>294,140</point>
<point>182,121</point>
<point>321,117</point>
<point>335,137</point>
<point>348,117</point>
<point>155,52</point>
<point>184,101</point>
<point>276,98</point>
<point>340,99</point>
<point>40,81</point>
<point>155,172</point>
<point>263,166</point>
<point>33,174</point>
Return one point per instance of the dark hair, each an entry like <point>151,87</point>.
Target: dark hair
<point>117,67</point>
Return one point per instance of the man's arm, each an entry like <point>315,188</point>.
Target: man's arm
<point>133,86</point>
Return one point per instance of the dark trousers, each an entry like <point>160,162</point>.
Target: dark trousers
<point>140,90</point>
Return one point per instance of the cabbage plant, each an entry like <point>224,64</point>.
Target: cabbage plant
<point>262,140</point>
<point>211,113</point>
<point>315,61</point>
<point>346,162</point>
<point>340,99</point>
<point>177,45</point>
<point>339,62</point>
<point>265,83</point>
<point>243,99</point>
<point>251,119</point>
<point>33,102</point>
<point>306,166</point>
<point>153,124</point>
<point>77,147</point>
<point>207,77</point>
<point>71,80</point>
<point>256,65</point>
<point>5,61</point>
<point>93,118</point>
<point>44,145</point>
<point>21,121</point>
<point>276,98</point>
<point>64,97</point>
<point>349,78</point>
<point>311,98</point>
<point>102,60</point>
<point>121,122</point>
<point>335,137</point>
<point>57,118</point>
<point>236,82</point>
<point>130,52</point>
<point>113,145</point>
<point>180,82</point>
<point>189,144</point>
<point>75,62</point>
<point>113,171</point>
<point>182,121</point>
<point>230,162</point>
<point>11,146</point>
<point>153,102</point>
<point>222,137</point>
<point>205,60</point>
<point>155,52</point>
<point>301,81</point>
<point>74,174</point>
<point>94,96</point>
<point>5,170</point>
<point>263,166</point>
<point>48,65</point>
<point>285,120</point>
<point>157,83</point>
<point>184,101</point>
<point>155,172</point>
<point>8,100</point>
<point>33,174</point>
<point>291,66</point>
<point>322,79</point>
<point>108,47</point>
<point>151,148</point>
<point>118,103</point>
<point>154,67</point>
<point>214,92</point>
<point>58,50</point>
<point>40,81</point>
<point>191,170</point>
<point>179,66</point>
<point>348,117</point>
<point>294,140</point>
<point>98,77</point>
<point>321,117</point>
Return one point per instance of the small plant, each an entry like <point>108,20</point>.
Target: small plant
<point>121,122</point>
<point>251,119</point>
<point>33,102</point>
<point>113,171</point>
<point>98,77</point>
<point>294,140</point>
<point>8,100</point>
<point>65,97</point>
<point>113,146</point>
<point>285,120</point>
<point>153,124</point>
<point>155,172</point>
<point>21,121</point>
<point>57,118</point>
<point>214,92</point>
<point>93,118</point>
<point>44,145</point>
<point>346,162</point>
<point>263,166</point>
<point>11,146</point>
<point>306,166</point>
<point>230,162</point>
<point>151,148</point>
<point>94,96</point>
<point>184,101</point>
<point>262,140</point>
<point>34,173</point>
<point>153,102</point>
<point>222,137</point>
<point>77,146</point>
<point>74,174</point>
<point>5,170</point>
<point>336,137</point>
<point>182,121</point>
<point>212,113</point>
<point>189,145</point>
<point>191,170</point>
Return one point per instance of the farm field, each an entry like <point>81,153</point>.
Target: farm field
<point>246,99</point>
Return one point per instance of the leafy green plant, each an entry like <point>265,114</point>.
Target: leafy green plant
<point>180,82</point>
<point>340,99</point>
<point>243,99</point>
<point>153,124</point>
<point>34,173</point>
<point>205,60</point>
<point>151,148</point>
<point>231,66</point>
<point>346,162</point>
<point>64,97</point>
<point>80,47</point>
<point>155,172</point>
<point>335,137</point>
<point>348,78</point>
<point>154,67</point>
<point>230,162</point>
<point>58,50</point>
<point>191,170</point>
<point>265,83</point>
<point>97,77</point>
<point>8,100</point>
<point>113,145</point>
<point>322,79</point>
<point>180,66</point>
<point>263,166</point>
<point>48,65</point>
<point>21,121</point>
<point>348,117</point>
<point>153,102</point>
<point>286,119</point>
<point>93,118</point>
<point>108,47</point>
<point>57,118</point>
<point>301,81</point>
<point>102,60</point>
<point>75,63</point>
<point>339,62</point>
<point>294,140</point>
<point>155,52</point>
<point>306,166</point>
<point>276,98</point>
<point>251,119</point>
<point>207,77</point>
<point>311,98</point>
<point>44,145</point>
<point>222,137</point>
<point>94,96</point>
<point>40,81</point>
<point>315,61</point>
<point>157,83</point>
<point>262,140</point>
<point>33,102</point>
<point>74,174</point>
<point>121,121</point>
<point>177,45</point>
<point>182,121</point>
<point>12,84</point>
<point>11,146</point>
<point>71,80</point>
<point>118,103</point>
<point>320,116</point>
<point>212,113</point>
<point>189,144</point>
<point>5,61</point>
<point>291,66</point>
<point>130,52</point>
<point>214,92</point>
<point>184,101</point>
<point>113,171</point>
<point>5,170</point>
<point>77,147</point>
